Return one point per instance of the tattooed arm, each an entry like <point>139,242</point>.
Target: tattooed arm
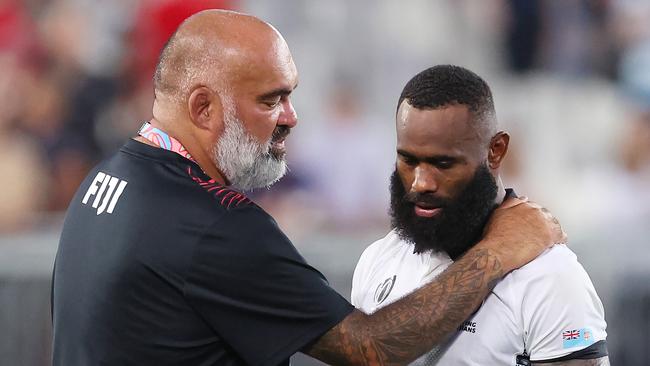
<point>406,329</point>
<point>602,361</point>
<point>400,332</point>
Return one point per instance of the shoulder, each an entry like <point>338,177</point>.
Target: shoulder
<point>223,196</point>
<point>555,269</point>
<point>189,191</point>
<point>245,232</point>
<point>381,250</point>
<point>167,183</point>
<point>375,259</point>
<point>556,275</point>
<point>197,202</point>
<point>558,307</point>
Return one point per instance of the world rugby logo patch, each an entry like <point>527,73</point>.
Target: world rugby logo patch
<point>384,289</point>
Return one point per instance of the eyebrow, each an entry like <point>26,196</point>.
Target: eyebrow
<point>429,159</point>
<point>279,92</point>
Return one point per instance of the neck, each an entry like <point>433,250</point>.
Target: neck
<point>192,145</point>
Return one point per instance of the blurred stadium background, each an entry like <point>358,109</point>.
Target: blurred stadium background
<point>571,81</point>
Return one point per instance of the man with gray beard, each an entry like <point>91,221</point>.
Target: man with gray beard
<point>248,163</point>
<point>164,261</point>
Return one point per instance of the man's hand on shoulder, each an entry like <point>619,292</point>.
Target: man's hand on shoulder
<point>519,230</point>
<point>402,331</point>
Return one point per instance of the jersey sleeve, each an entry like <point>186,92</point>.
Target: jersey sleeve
<point>254,289</point>
<point>561,311</point>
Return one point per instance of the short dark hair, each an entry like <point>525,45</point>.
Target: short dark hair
<point>442,85</point>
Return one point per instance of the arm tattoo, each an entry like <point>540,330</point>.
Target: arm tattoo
<point>402,331</point>
<point>602,361</point>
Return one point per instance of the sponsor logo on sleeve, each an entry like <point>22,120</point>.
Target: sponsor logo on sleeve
<point>577,338</point>
<point>106,190</point>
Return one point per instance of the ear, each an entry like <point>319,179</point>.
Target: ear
<point>204,107</point>
<point>498,149</point>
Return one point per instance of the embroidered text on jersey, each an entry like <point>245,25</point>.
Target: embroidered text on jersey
<point>106,190</point>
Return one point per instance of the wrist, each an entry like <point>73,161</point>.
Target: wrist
<point>500,257</point>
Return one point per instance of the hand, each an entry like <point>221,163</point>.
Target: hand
<point>518,231</point>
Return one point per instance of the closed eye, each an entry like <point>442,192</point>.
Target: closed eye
<point>409,161</point>
<point>273,98</point>
<point>444,164</point>
<point>407,158</point>
<point>272,103</point>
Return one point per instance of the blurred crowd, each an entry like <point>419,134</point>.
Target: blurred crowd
<point>75,82</point>
<point>571,82</point>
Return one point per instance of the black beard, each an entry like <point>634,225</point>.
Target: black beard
<point>458,227</point>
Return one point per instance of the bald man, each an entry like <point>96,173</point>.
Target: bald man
<point>164,261</point>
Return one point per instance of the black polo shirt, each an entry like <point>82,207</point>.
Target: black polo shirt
<point>159,265</point>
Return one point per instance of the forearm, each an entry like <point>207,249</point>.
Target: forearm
<point>406,329</point>
<point>602,361</point>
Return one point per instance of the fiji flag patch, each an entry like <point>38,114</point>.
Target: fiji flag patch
<point>577,338</point>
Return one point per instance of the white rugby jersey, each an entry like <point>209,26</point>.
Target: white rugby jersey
<point>546,310</point>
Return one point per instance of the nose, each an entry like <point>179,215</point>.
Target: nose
<point>288,116</point>
<point>424,180</point>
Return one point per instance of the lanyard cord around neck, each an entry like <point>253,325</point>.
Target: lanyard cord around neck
<point>161,139</point>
